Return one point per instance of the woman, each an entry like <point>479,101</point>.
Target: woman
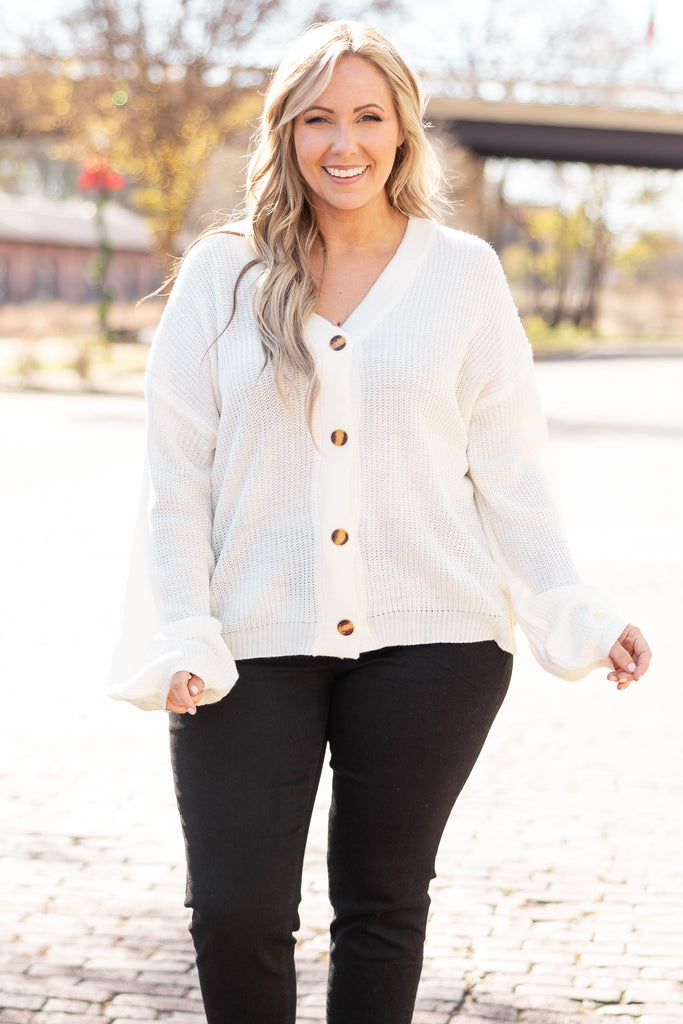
<point>346,497</point>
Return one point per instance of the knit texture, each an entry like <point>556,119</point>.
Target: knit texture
<point>429,457</point>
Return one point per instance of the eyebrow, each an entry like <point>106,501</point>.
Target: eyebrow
<point>328,110</point>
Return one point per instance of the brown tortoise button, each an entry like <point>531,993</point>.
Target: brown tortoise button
<point>339,537</point>
<point>339,437</point>
<point>338,342</point>
<point>345,627</point>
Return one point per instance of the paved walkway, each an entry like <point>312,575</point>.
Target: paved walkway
<point>560,895</point>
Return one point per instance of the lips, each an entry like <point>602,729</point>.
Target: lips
<point>346,172</point>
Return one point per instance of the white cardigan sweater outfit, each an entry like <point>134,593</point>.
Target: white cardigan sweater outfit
<point>424,514</point>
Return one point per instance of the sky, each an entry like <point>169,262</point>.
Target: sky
<point>431,31</point>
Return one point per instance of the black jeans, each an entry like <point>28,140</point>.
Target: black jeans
<point>405,726</point>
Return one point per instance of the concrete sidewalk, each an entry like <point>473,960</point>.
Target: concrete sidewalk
<point>560,890</point>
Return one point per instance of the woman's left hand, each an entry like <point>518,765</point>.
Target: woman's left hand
<point>630,656</point>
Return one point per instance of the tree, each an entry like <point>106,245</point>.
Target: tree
<point>549,53</point>
<point>598,243</point>
<point>546,49</point>
<point>143,94</point>
<point>153,95</point>
<point>653,255</point>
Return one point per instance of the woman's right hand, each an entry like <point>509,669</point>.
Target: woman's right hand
<point>630,657</point>
<point>185,693</point>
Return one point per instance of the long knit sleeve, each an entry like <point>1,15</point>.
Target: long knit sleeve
<point>174,547</point>
<point>419,511</point>
<point>570,627</point>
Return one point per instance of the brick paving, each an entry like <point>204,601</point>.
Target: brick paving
<point>559,898</point>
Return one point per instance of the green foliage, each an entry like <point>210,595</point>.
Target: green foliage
<point>136,91</point>
<point>564,337</point>
<point>138,88</point>
<point>653,255</point>
<point>558,258</point>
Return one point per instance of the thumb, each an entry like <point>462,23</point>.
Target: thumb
<point>195,685</point>
<point>622,659</point>
<point>624,666</point>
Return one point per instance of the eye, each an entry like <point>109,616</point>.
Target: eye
<point>315,119</point>
<point>370,117</point>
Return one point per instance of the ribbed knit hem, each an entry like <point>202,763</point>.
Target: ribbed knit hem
<point>275,640</point>
<point>434,627</point>
<point>283,639</point>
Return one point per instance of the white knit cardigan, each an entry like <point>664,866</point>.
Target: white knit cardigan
<point>422,513</point>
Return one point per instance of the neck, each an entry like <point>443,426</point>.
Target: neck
<point>354,229</point>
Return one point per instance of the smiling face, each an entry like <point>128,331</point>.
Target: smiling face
<point>346,140</point>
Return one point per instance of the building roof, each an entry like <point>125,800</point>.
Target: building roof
<point>70,222</point>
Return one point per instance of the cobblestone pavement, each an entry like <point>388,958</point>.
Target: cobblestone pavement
<point>559,898</point>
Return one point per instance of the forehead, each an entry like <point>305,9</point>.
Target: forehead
<point>355,81</point>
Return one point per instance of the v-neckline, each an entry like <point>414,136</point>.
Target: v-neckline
<point>373,282</point>
<point>390,284</point>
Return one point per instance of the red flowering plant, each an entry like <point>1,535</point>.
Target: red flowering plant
<point>98,178</point>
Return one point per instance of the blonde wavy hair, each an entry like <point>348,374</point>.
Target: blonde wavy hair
<point>282,226</point>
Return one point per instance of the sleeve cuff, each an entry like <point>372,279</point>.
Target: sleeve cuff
<point>570,630</point>
<point>193,645</point>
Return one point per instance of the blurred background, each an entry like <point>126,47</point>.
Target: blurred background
<point>124,129</point>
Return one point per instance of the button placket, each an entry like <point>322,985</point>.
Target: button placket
<point>338,631</point>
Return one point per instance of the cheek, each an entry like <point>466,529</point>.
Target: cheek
<point>305,154</point>
<point>390,147</point>
<point>299,143</point>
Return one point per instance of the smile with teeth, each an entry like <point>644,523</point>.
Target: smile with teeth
<point>346,172</point>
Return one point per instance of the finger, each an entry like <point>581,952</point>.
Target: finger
<point>179,695</point>
<point>181,709</point>
<point>630,645</point>
<point>196,688</point>
<point>622,681</point>
<point>624,665</point>
<point>642,655</point>
<point>633,641</point>
<point>622,659</point>
<point>178,709</point>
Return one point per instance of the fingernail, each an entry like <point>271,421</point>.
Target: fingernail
<point>192,710</point>
<point>194,690</point>
<point>631,667</point>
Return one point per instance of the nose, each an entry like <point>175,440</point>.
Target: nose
<point>344,140</point>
